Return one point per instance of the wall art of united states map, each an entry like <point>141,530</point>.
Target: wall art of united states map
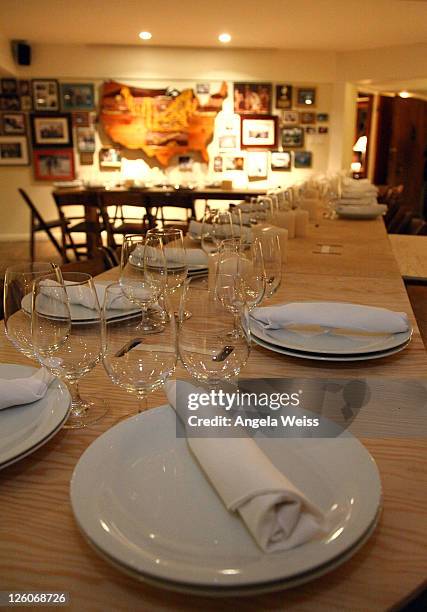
<point>161,122</point>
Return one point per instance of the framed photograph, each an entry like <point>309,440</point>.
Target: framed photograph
<point>258,132</point>
<point>85,139</point>
<point>10,102</point>
<point>217,163</point>
<point>77,96</point>
<point>9,86</point>
<point>24,88</point>
<point>281,161</point>
<point>54,164</point>
<point>14,151</point>
<point>81,119</point>
<point>203,88</point>
<point>283,96</point>
<point>257,165</point>
<point>233,162</point>
<point>185,163</point>
<point>323,129</point>
<point>290,118</point>
<point>292,137</point>
<point>252,98</point>
<point>51,130</point>
<point>228,141</point>
<point>26,103</point>
<point>310,130</point>
<point>13,123</point>
<point>110,159</point>
<point>306,96</point>
<point>45,94</point>
<point>303,159</point>
<point>307,118</point>
<point>322,117</point>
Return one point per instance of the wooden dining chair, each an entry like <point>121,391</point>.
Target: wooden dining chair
<point>38,224</point>
<point>121,223</point>
<point>81,212</point>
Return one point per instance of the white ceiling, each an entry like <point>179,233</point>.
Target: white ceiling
<point>337,25</point>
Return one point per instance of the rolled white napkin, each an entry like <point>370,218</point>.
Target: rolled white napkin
<point>18,391</point>
<point>277,514</point>
<point>332,315</point>
<point>374,209</point>
<point>195,229</point>
<point>193,257</point>
<point>81,295</point>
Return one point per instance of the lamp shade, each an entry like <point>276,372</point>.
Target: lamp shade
<point>361,143</point>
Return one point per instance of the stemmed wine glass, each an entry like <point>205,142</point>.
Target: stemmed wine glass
<point>240,277</point>
<point>204,344</point>
<point>67,342</point>
<point>18,289</point>
<point>272,257</point>
<point>217,225</point>
<point>133,358</point>
<point>143,275</point>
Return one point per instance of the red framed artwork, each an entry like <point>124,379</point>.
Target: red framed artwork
<point>259,131</point>
<point>54,164</point>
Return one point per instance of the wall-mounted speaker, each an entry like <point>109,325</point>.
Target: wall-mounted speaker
<point>21,52</point>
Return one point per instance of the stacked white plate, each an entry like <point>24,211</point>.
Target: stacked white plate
<point>24,429</point>
<point>329,346</point>
<point>143,503</point>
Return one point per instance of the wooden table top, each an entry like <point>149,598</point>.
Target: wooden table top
<point>42,548</point>
<point>411,255</point>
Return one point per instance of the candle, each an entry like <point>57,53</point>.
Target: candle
<point>301,223</point>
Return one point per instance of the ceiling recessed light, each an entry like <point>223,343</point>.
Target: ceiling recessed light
<point>145,35</point>
<point>224,37</point>
<point>404,94</point>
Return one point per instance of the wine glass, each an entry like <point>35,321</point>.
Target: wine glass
<point>204,344</point>
<point>18,289</point>
<point>143,276</point>
<point>272,257</point>
<point>67,342</point>
<point>133,358</point>
<point>172,243</point>
<point>240,276</point>
<point>216,226</point>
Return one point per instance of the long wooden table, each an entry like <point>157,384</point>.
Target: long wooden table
<point>411,255</point>
<point>41,547</point>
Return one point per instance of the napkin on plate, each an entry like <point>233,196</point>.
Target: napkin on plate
<point>82,296</point>
<point>276,513</point>
<point>195,230</point>
<point>19,391</point>
<point>193,257</point>
<point>362,210</point>
<point>331,315</point>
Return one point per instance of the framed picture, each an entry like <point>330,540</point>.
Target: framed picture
<point>310,129</point>
<point>110,159</point>
<point>307,118</point>
<point>45,94</point>
<point>281,161</point>
<point>233,162</point>
<point>77,96</point>
<point>53,164</point>
<point>252,98</point>
<point>257,165</point>
<point>9,86</point>
<point>51,130</point>
<point>217,163</point>
<point>80,119</point>
<point>290,118</point>
<point>185,163</point>
<point>10,102</point>
<point>203,88</point>
<point>322,117</point>
<point>292,137</point>
<point>26,103</point>
<point>228,141</point>
<point>85,139</point>
<point>258,132</point>
<point>13,151</point>
<point>303,159</point>
<point>323,129</point>
<point>306,96</point>
<point>283,96</point>
<point>13,123</point>
<point>24,88</point>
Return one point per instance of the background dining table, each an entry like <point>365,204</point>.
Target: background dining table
<point>42,548</point>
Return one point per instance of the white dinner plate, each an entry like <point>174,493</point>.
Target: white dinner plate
<point>329,343</point>
<point>141,499</point>
<point>79,314</point>
<point>323,357</point>
<point>24,429</point>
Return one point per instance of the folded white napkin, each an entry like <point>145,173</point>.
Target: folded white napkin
<point>193,257</point>
<point>81,295</point>
<point>195,229</point>
<point>276,513</point>
<point>374,209</point>
<point>332,315</point>
<point>19,391</point>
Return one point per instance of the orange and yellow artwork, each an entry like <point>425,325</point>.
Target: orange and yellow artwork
<point>162,123</point>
